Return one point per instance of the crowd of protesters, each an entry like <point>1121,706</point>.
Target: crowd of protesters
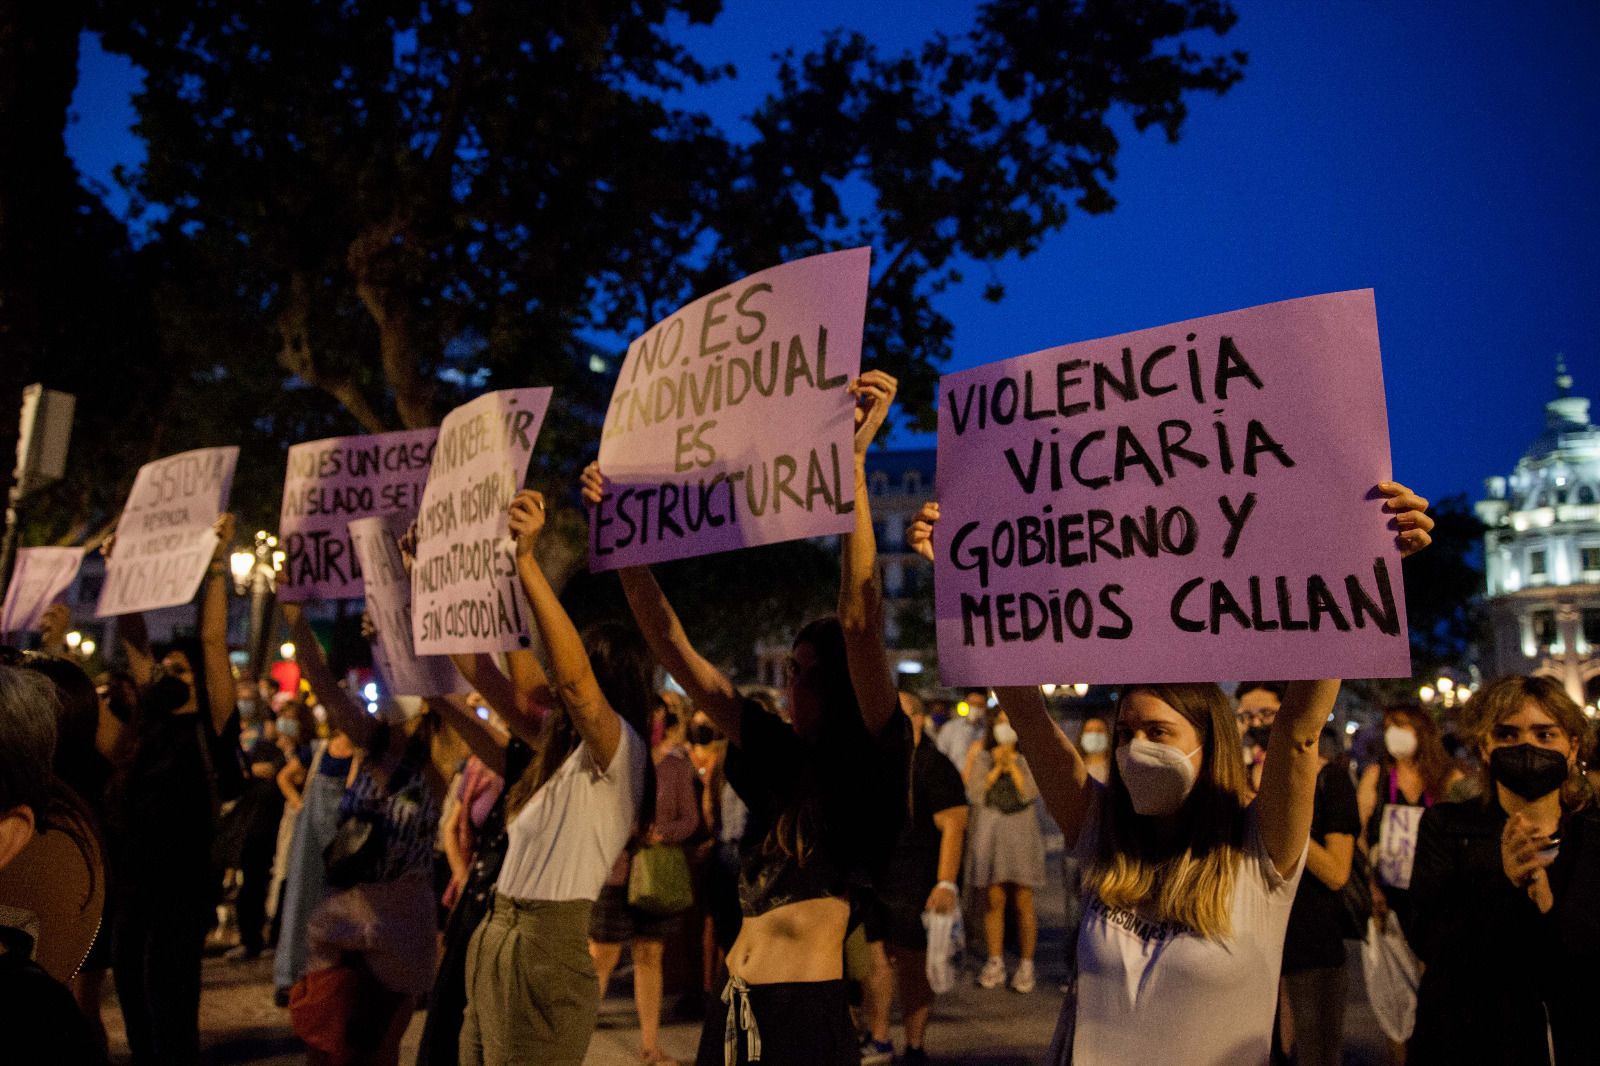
<point>802,863</point>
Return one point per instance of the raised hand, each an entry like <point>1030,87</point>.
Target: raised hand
<point>408,547</point>
<point>919,534</point>
<point>874,392</point>
<point>594,484</point>
<point>527,520</point>
<point>223,527</point>
<point>1410,513</point>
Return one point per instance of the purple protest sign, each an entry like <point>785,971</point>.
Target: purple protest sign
<point>465,593</point>
<point>41,575</point>
<point>731,425</point>
<point>164,538</point>
<point>330,482</point>
<point>1184,503</point>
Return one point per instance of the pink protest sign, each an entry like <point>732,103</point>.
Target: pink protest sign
<point>465,593</point>
<point>40,577</point>
<point>731,424</point>
<point>1185,503</point>
<point>331,482</point>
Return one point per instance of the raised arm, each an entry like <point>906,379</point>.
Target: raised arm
<point>574,681</point>
<point>1289,776</point>
<point>709,689</point>
<point>220,694</point>
<point>481,738</point>
<point>343,713</point>
<point>522,699</point>
<point>1058,770</point>
<point>860,586</point>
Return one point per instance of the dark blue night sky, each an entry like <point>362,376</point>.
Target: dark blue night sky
<point>1446,155</point>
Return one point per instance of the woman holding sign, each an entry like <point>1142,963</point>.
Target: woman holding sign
<point>825,792</point>
<point>176,764</point>
<point>1189,883</point>
<point>532,994</point>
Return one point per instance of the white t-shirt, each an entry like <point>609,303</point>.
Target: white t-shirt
<point>566,838</point>
<point>1151,992</point>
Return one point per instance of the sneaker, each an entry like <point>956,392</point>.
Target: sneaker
<point>876,1052</point>
<point>913,1056</point>
<point>993,974</point>
<point>241,954</point>
<point>1022,980</point>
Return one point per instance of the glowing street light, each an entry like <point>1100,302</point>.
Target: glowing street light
<point>286,650</point>
<point>86,648</point>
<point>1425,693</point>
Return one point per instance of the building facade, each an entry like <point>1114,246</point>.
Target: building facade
<point>1542,554</point>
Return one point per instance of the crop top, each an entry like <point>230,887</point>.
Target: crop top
<point>842,796</point>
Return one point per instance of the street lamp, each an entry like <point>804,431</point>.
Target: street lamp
<point>254,572</point>
<point>1425,693</point>
<point>74,639</point>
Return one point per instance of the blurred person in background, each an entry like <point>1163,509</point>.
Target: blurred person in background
<point>921,876</point>
<point>1005,848</point>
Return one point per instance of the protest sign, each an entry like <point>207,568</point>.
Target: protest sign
<point>39,578</point>
<point>388,595</point>
<point>164,537</point>
<point>731,423</point>
<point>329,483</point>
<point>465,593</point>
<point>1185,503</point>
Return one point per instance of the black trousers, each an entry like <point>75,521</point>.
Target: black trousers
<point>155,955</point>
<point>255,863</point>
<point>447,1002</point>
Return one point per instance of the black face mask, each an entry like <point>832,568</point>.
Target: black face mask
<point>166,695</point>
<point>701,734</point>
<point>1259,735</point>
<point>1528,770</point>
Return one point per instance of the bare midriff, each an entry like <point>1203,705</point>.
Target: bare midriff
<point>795,942</point>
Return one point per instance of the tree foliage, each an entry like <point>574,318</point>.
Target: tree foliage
<point>358,214</point>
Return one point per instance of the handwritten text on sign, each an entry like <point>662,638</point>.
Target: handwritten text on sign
<point>388,595</point>
<point>465,593</point>
<point>164,537</point>
<point>40,577</point>
<point>329,483</point>
<point>1182,503</point>
<point>731,424</point>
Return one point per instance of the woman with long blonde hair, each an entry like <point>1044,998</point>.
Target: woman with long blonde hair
<point>1189,881</point>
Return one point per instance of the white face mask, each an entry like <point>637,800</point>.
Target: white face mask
<point>1159,777</point>
<point>1401,742</point>
<point>1093,743</point>
<point>1004,734</point>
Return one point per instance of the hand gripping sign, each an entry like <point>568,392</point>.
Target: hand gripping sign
<point>1182,503</point>
<point>731,423</point>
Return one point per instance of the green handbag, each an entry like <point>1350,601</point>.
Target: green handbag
<point>658,882</point>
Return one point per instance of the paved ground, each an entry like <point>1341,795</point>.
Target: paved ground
<point>970,1026</point>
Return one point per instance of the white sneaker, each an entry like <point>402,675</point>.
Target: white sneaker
<point>993,974</point>
<point>1022,980</point>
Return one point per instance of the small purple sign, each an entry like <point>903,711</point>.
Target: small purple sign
<point>731,423</point>
<point>1184,503</point>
